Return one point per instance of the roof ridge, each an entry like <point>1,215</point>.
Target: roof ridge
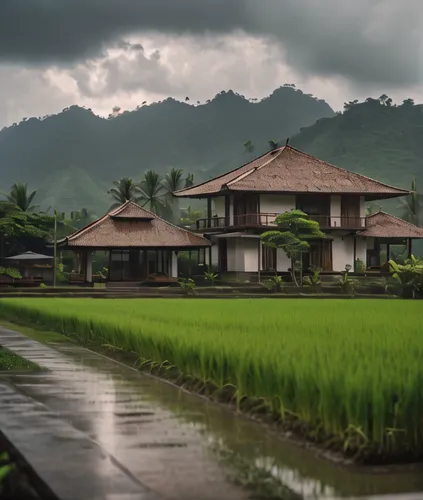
<point>222,175</point>
<point>406,191</point>
<point>254,169</point>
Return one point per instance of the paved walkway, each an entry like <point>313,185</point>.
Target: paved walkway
<point>97,430</point>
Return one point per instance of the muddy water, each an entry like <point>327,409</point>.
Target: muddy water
<point>179,444</point>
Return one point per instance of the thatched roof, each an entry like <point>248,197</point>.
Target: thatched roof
<point>287,170</point>
<point>131,226</point>
<point>383,225</point>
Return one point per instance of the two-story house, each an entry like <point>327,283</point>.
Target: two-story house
<point>243,203</point>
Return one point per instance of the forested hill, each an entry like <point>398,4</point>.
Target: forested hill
<point>375,138</point>
<point>72,157</point>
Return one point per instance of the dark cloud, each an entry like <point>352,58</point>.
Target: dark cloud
<point>365,40</point>
<point>69,30</point>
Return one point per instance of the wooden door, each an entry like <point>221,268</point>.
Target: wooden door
<point>350,212</point>
<point>245,209</point>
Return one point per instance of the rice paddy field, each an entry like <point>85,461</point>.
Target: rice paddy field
<point>347,374</point>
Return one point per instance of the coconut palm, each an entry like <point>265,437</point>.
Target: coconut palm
<point>173,181</point>
<point>152,192</point>
<point>412,206</point>
<point>124,190</point>
<point>20,197</point>
<point>189,180</point>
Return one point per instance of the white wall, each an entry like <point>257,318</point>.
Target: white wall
<point>361,249</point>
<point>276,203</point>
<point>235,257</point>
<point>335,210</point>
<point>218,206</point>
<point>249,246</point>
<point>243,254</point>
<point>342,252</point>
<point>215,251</point>
<point>283,262</point>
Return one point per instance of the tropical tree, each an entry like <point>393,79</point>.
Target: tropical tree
<point>124,190</point>
<point>81,218</point>
<point>20,230</point>
<point>249,146</point>
<point>152,192</point>
<point>273,144</point>
<point>412,206</point>
<point>189,216</point>
<point>173,181</point>
<point>20,197</point>
<point>295,230</point>
<point>189,180</point>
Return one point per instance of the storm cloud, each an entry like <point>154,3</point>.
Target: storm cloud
<point>366,41</point>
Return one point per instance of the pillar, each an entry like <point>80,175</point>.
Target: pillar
<point>231,210</point>
<point>174,264</point>
<point>89,267</point>
<point>259,260</point>
<point>410,248</point>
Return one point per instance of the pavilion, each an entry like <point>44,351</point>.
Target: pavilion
<point>383,229</point>
<point>142,247</point>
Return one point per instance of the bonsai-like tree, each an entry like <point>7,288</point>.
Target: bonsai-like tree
<point>294,233</point>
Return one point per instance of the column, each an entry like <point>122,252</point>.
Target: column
<point>231,210</point>
<point>89,267</point>
<point>174,264</point>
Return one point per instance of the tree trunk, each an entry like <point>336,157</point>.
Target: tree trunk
<point>294,278</point>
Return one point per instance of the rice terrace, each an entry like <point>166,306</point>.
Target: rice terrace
<point>344,374</point>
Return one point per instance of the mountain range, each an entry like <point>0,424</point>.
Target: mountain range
<point>71,158</point>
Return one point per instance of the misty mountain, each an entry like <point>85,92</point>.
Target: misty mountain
<point>375,138</point>
<point>71,158</point>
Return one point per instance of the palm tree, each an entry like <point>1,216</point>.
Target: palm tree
<point>152,192</point>
<point>19,197</point>
<point>124,190</point>
<point>412,206</point>
<point>173,181</point>
<point>189,180</point>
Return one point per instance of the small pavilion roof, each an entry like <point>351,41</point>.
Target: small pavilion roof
<point>287,170</point>
<point>28,256</point>
<point>384,225</point>
<point>130,226</point>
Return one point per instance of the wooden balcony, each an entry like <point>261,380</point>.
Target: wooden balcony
<point>267,220</point>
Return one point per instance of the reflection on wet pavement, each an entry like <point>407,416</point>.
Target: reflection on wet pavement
<point>166,439</point>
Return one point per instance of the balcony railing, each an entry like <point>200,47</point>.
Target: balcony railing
<point>268,220</point>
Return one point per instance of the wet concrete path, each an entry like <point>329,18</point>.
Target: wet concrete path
<point>148,449</point>
<point>138,437</point>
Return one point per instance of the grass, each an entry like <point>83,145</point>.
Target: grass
<point>12,362</point>
<point>43,336</point>
<point>344,373</point>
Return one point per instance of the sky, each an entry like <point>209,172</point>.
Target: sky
<point>106,53</point>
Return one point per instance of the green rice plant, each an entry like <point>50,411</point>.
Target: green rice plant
<point>274,284</point>
<point>348,371</point>
<point>313,282</point>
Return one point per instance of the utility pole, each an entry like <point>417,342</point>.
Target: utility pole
<point>55,249</point>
